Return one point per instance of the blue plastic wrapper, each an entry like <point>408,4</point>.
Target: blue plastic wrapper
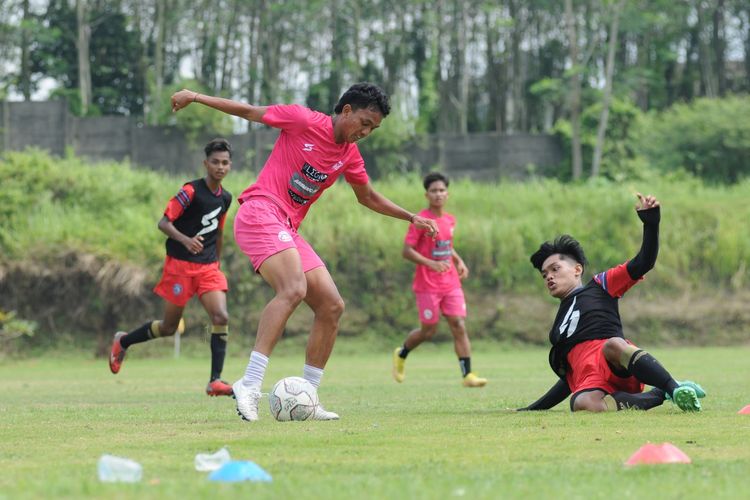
<point>239,470</point>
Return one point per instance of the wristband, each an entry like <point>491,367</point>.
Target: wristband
<point>195,97</point>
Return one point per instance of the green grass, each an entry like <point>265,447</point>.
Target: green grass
<point>427,438</point>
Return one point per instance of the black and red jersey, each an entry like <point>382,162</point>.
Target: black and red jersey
<point>588,313</point>
<point>197,211</point>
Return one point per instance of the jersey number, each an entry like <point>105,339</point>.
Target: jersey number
<point>210,222</point>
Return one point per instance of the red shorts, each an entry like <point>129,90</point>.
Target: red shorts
<point>262,229</point>
<point>589,370</point>
<point>181,279</point>
<point>431,304</point>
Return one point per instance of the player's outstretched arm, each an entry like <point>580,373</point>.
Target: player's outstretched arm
<point>648,210</point>
<point>183,98</point>
<point>376,202</point>
<point>553,397</point>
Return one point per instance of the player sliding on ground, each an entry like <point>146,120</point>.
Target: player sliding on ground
<point>595,363</point>
<point>194,224</point>
<point>312,150</point>
<point>437,283</point>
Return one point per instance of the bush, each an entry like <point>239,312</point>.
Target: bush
<point>707,137</point>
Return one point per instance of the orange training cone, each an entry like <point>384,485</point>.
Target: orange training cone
<point>665,453</point>
<point>745,410</point>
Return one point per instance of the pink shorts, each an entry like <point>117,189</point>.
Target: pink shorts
<point>431,304</point>
<point>262,229</point>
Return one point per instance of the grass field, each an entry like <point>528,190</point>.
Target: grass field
<point>428,438</point>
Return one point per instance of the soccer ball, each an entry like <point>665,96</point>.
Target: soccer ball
<point>293,398</point>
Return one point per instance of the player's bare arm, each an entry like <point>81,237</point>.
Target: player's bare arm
<point>461,267</point>
<point>410,253</point>
<point>186,97</point>
<point>376,202</point>
<point>194,244</point>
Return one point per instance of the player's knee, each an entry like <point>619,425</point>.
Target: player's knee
<point>589,401</point>
<point>294,293</point>
<point>167,329</point>
<point>220,318</point>
<point>429,331</point>
<point>337,307</point>
<point>457,325</point>
<point>613,349</point>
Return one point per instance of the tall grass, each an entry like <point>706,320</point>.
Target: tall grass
<point>52,206</point>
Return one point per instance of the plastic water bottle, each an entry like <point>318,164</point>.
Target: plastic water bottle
<point>207,462</point>
<point>114,469</point>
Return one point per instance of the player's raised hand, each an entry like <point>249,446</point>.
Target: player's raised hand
<point>647,209</point>
<point>182,98</point>
<point>429,225</point>
<point>646,202</point>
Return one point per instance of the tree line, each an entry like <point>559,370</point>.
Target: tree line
<point>452,66</point>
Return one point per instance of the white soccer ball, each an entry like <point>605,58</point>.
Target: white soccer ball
<point>293,398</point>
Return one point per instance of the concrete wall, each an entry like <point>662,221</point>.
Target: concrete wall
<point>48,125</point>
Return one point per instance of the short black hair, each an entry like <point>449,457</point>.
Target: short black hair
<point>218,144</point>
<point>364,96</point>
<point>565,245</point>
<point>434,177</point>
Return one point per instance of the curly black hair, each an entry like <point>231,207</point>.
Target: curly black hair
<point>364,96</point>
<point>434,177</point>
<point>564,245</point>
<point>218,144</point>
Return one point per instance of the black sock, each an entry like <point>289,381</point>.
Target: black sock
<point>218,353</point>
<point>465,364</point>
<point>640,401</point>
<point>404,352</point>
<point>647,369</point>
<point>140,334</point>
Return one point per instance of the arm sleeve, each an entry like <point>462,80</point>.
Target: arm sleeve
<point>179,203</point>
<point>553,397</point>
<point>292,118</point>
<point>644,261</point>
<point>413,235</point>
<point>356,173</point>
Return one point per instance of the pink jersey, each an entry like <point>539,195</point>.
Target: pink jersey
<point>425,279</point>
<point>304,162</point>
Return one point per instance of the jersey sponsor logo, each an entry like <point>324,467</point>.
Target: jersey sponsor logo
<point>307,147</point>
<point>442,250</point>
<point>337,165</point>
<point>297,198</point>
<point>285,236</point>
<point>210,221</point>
<point>313,174</point>
<point>176,289</point>
<point>302,185</point>
<point>570,321</point>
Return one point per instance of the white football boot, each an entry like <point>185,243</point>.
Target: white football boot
<point>247,400</point>
<point>321,413</point>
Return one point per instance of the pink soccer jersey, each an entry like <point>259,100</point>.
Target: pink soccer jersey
<point>425,279</point>
<point>305,161</point>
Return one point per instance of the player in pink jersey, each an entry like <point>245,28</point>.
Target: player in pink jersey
<point>437,283</point>
<point>312,150</point>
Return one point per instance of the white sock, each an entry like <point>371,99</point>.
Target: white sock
<point>256,370</point>
<point>312,375</point>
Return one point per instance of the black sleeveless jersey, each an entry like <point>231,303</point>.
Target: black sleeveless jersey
<point>196,211</point>
<point>589,313</point>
